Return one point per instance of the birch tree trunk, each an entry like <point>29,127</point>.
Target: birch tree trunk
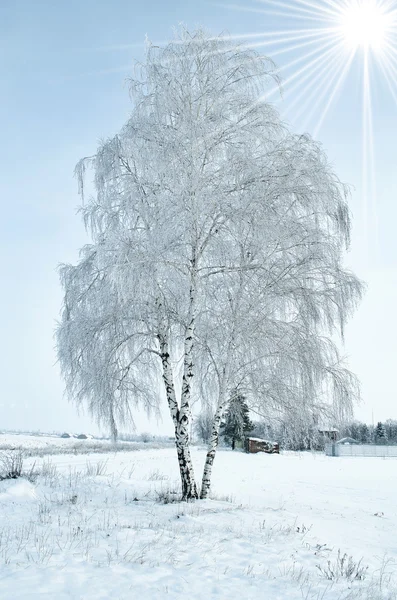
<point>212,446</point>
<point>222,402</point>
<point>189,487</point>
<point>182,433</point>
<point>180,417</point>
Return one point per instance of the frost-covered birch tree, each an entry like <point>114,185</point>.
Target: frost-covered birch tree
<point>216,255</point>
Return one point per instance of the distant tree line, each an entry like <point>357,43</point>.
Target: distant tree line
<point>382,433</point>
<point>292,433</point>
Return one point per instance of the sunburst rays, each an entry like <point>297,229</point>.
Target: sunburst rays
<point>318,45</point>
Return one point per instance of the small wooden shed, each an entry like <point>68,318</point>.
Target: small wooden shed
<point>254,445</point>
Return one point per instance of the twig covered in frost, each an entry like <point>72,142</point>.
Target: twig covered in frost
<point>343,566</point>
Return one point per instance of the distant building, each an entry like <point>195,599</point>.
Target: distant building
<point>255,445</point>
<point>330,434</point>
<point>347,440</point>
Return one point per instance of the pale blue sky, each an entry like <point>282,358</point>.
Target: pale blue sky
<point>63,66</point>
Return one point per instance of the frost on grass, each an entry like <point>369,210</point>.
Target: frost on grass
<point>343,566</point>
<point>12,464</point>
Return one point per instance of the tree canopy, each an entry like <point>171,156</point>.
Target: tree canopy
<point>216,254</point>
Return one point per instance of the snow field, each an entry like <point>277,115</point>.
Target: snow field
<point>88,528</point>
<point>35,441</point>
<point>45,445</point>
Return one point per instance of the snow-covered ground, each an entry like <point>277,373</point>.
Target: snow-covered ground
<point>38,441</point>
<point>97,528</point>
<point>46,444</point>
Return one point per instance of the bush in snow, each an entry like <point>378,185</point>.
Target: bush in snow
<point>343,567</point>
<point>11,464</point>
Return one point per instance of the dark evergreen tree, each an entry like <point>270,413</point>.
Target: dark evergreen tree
<point>380,434</point>
<point>365,437</point>
<point>236,424</point>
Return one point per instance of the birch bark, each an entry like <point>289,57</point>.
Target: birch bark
<point>181,416</point>
<point>212,446</point>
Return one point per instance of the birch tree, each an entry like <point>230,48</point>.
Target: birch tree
<point>217,241</point>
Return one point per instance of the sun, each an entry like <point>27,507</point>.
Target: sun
<point>363,24</point>
<point>325,41</point>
